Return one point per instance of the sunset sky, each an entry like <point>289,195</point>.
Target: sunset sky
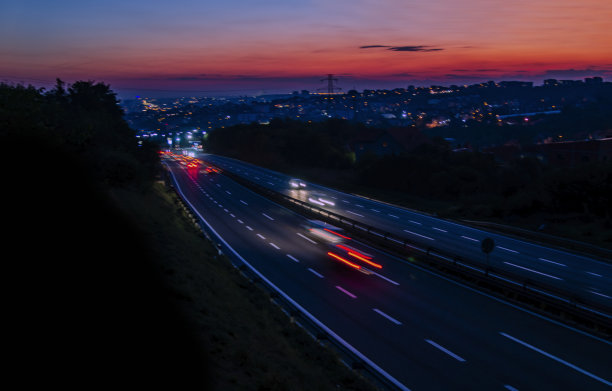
<point>202,47</point>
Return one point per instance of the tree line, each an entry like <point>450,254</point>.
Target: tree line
<point>472,181</point>
<point>82,122</point>
<point>477,182</point>
<point>285,142</point>
<point>87,280</point>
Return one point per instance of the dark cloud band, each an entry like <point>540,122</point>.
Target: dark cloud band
<point>413,48</point>
<point>373,46</point>
<point>419,48</point>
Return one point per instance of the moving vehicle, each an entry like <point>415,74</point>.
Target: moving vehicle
<point>339,248</point>
<point>352,256</point>
<point>297,184</point>
<point>326,232</point>
<point>210,170</point>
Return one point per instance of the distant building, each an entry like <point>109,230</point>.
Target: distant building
<point>551,83</point>
<point>516,84</point>
<point>571,83</point>
<point>593,80</point>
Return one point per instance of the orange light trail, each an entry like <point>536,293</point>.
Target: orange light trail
<point>376,265</point>
<point>343,260</point>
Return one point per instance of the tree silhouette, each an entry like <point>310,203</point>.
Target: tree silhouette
<point>83,120</point>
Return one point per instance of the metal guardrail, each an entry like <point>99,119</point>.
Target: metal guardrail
<point>585,249</point>
<point>574,246</point>
<point>351,356</point>
<point>544,298</point>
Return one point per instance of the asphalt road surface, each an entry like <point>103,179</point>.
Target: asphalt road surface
<point>584,277</point>
<point>425,331</point>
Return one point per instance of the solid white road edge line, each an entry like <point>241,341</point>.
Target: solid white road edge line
<point>295,304</point>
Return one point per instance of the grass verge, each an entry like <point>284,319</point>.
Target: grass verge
<point>249,343</point>
<point>108,290</point>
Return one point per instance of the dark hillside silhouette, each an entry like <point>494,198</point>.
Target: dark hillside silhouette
<point>86,309</point>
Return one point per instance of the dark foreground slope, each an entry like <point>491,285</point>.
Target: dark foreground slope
<point>123,291</point>
<point>87,307</point>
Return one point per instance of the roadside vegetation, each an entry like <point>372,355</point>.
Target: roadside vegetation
<point>249,342</point>
<point>573,202</point>
<point>110,284</point>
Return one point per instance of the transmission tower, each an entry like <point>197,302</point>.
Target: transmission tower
<point>330,84</point>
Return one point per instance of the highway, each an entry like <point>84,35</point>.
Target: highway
<point>424,331</point>
<point>582,276</point>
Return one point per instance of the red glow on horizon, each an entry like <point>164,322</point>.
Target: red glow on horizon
<point>292,45</point>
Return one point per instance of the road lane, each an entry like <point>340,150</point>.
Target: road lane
<point>427,307</point>
<point>583,276</point>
